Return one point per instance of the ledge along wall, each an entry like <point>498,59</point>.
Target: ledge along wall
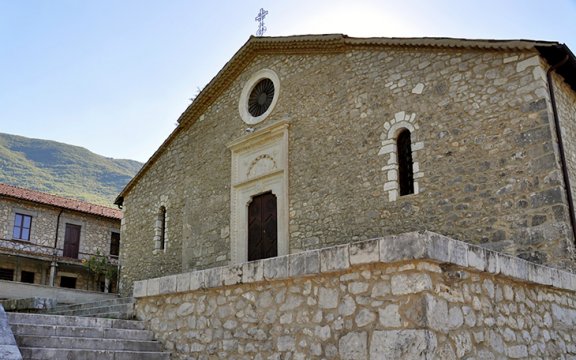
<point>411,296</point>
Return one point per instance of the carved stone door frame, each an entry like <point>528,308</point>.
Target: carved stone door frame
<point>259,165</point>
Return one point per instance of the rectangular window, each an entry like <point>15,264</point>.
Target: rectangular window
<point>22,225</point>
<point>7,274</point>
<point>27,277</point>
<point>115,244</point>
<point>68,282</point>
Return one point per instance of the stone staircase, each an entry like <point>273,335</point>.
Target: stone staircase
<point>48,336</point>
<point>120,308</point>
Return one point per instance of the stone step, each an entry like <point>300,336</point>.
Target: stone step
<point>93,304</point>
<point>41,336</point>
<point>124,311</point>
<point>112,315</point>
<point>61,342</point>
<point>43,319</point>
<point>49,353</point>
<point>78,331</point>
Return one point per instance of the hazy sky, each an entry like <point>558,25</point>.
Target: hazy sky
<point>114,76</point>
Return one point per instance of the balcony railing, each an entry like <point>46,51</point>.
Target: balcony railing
<point>46,251</point>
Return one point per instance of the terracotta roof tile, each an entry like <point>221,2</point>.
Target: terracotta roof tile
<point>57,201</point>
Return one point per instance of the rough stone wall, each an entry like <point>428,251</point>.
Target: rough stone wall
<point>566,105</point>
<point>349,302</point>
<point>43,224</point>
<point>486,163</point>
<point>139,256</point>
<point>96,232</point>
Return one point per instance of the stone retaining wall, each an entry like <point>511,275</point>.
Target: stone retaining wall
<point>413,296</point>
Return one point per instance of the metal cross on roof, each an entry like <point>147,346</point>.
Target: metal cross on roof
<point>260,18</point>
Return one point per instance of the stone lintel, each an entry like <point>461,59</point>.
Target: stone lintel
<point>390,249</point>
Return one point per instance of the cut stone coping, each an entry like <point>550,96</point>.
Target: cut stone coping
<point>423,245</point>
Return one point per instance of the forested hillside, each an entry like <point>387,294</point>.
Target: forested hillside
<point>62,169</point>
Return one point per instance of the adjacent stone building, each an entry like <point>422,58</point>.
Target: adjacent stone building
<point>316,121</point>
<point>46,239</point>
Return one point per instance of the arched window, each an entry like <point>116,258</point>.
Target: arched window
<point>160,230</point>
<point>405,169</point>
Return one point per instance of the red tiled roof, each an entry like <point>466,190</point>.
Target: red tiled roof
<point>57,201</point>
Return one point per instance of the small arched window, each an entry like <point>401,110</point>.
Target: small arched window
<point>405,167</point>
<point>160,230</point>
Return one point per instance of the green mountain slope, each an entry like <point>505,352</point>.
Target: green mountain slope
<point>63,169</point>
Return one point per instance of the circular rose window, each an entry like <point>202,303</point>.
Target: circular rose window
<point>259,96</point>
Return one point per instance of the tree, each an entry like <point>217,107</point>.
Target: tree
<point>100,267</point>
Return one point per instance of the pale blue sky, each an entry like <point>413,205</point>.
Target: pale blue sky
<point>114,76</point>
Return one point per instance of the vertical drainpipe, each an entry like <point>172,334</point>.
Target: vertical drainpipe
<point>120,203</point>
<point>563,163</point>
<point>54,263</point>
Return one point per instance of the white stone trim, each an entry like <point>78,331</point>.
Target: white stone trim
<point>249,178</point>
<point>425,246</point>
<point>392,128</point>
<point>247,89</point>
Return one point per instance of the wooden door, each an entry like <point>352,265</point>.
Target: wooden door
<point>262,227</point>
<point>72,241</point>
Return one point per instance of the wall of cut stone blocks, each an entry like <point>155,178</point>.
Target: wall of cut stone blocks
<point>412,296</point>
<point>485,159</point>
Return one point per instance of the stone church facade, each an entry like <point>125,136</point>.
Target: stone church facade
<point>485,163</point>
<point>345,198</point>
